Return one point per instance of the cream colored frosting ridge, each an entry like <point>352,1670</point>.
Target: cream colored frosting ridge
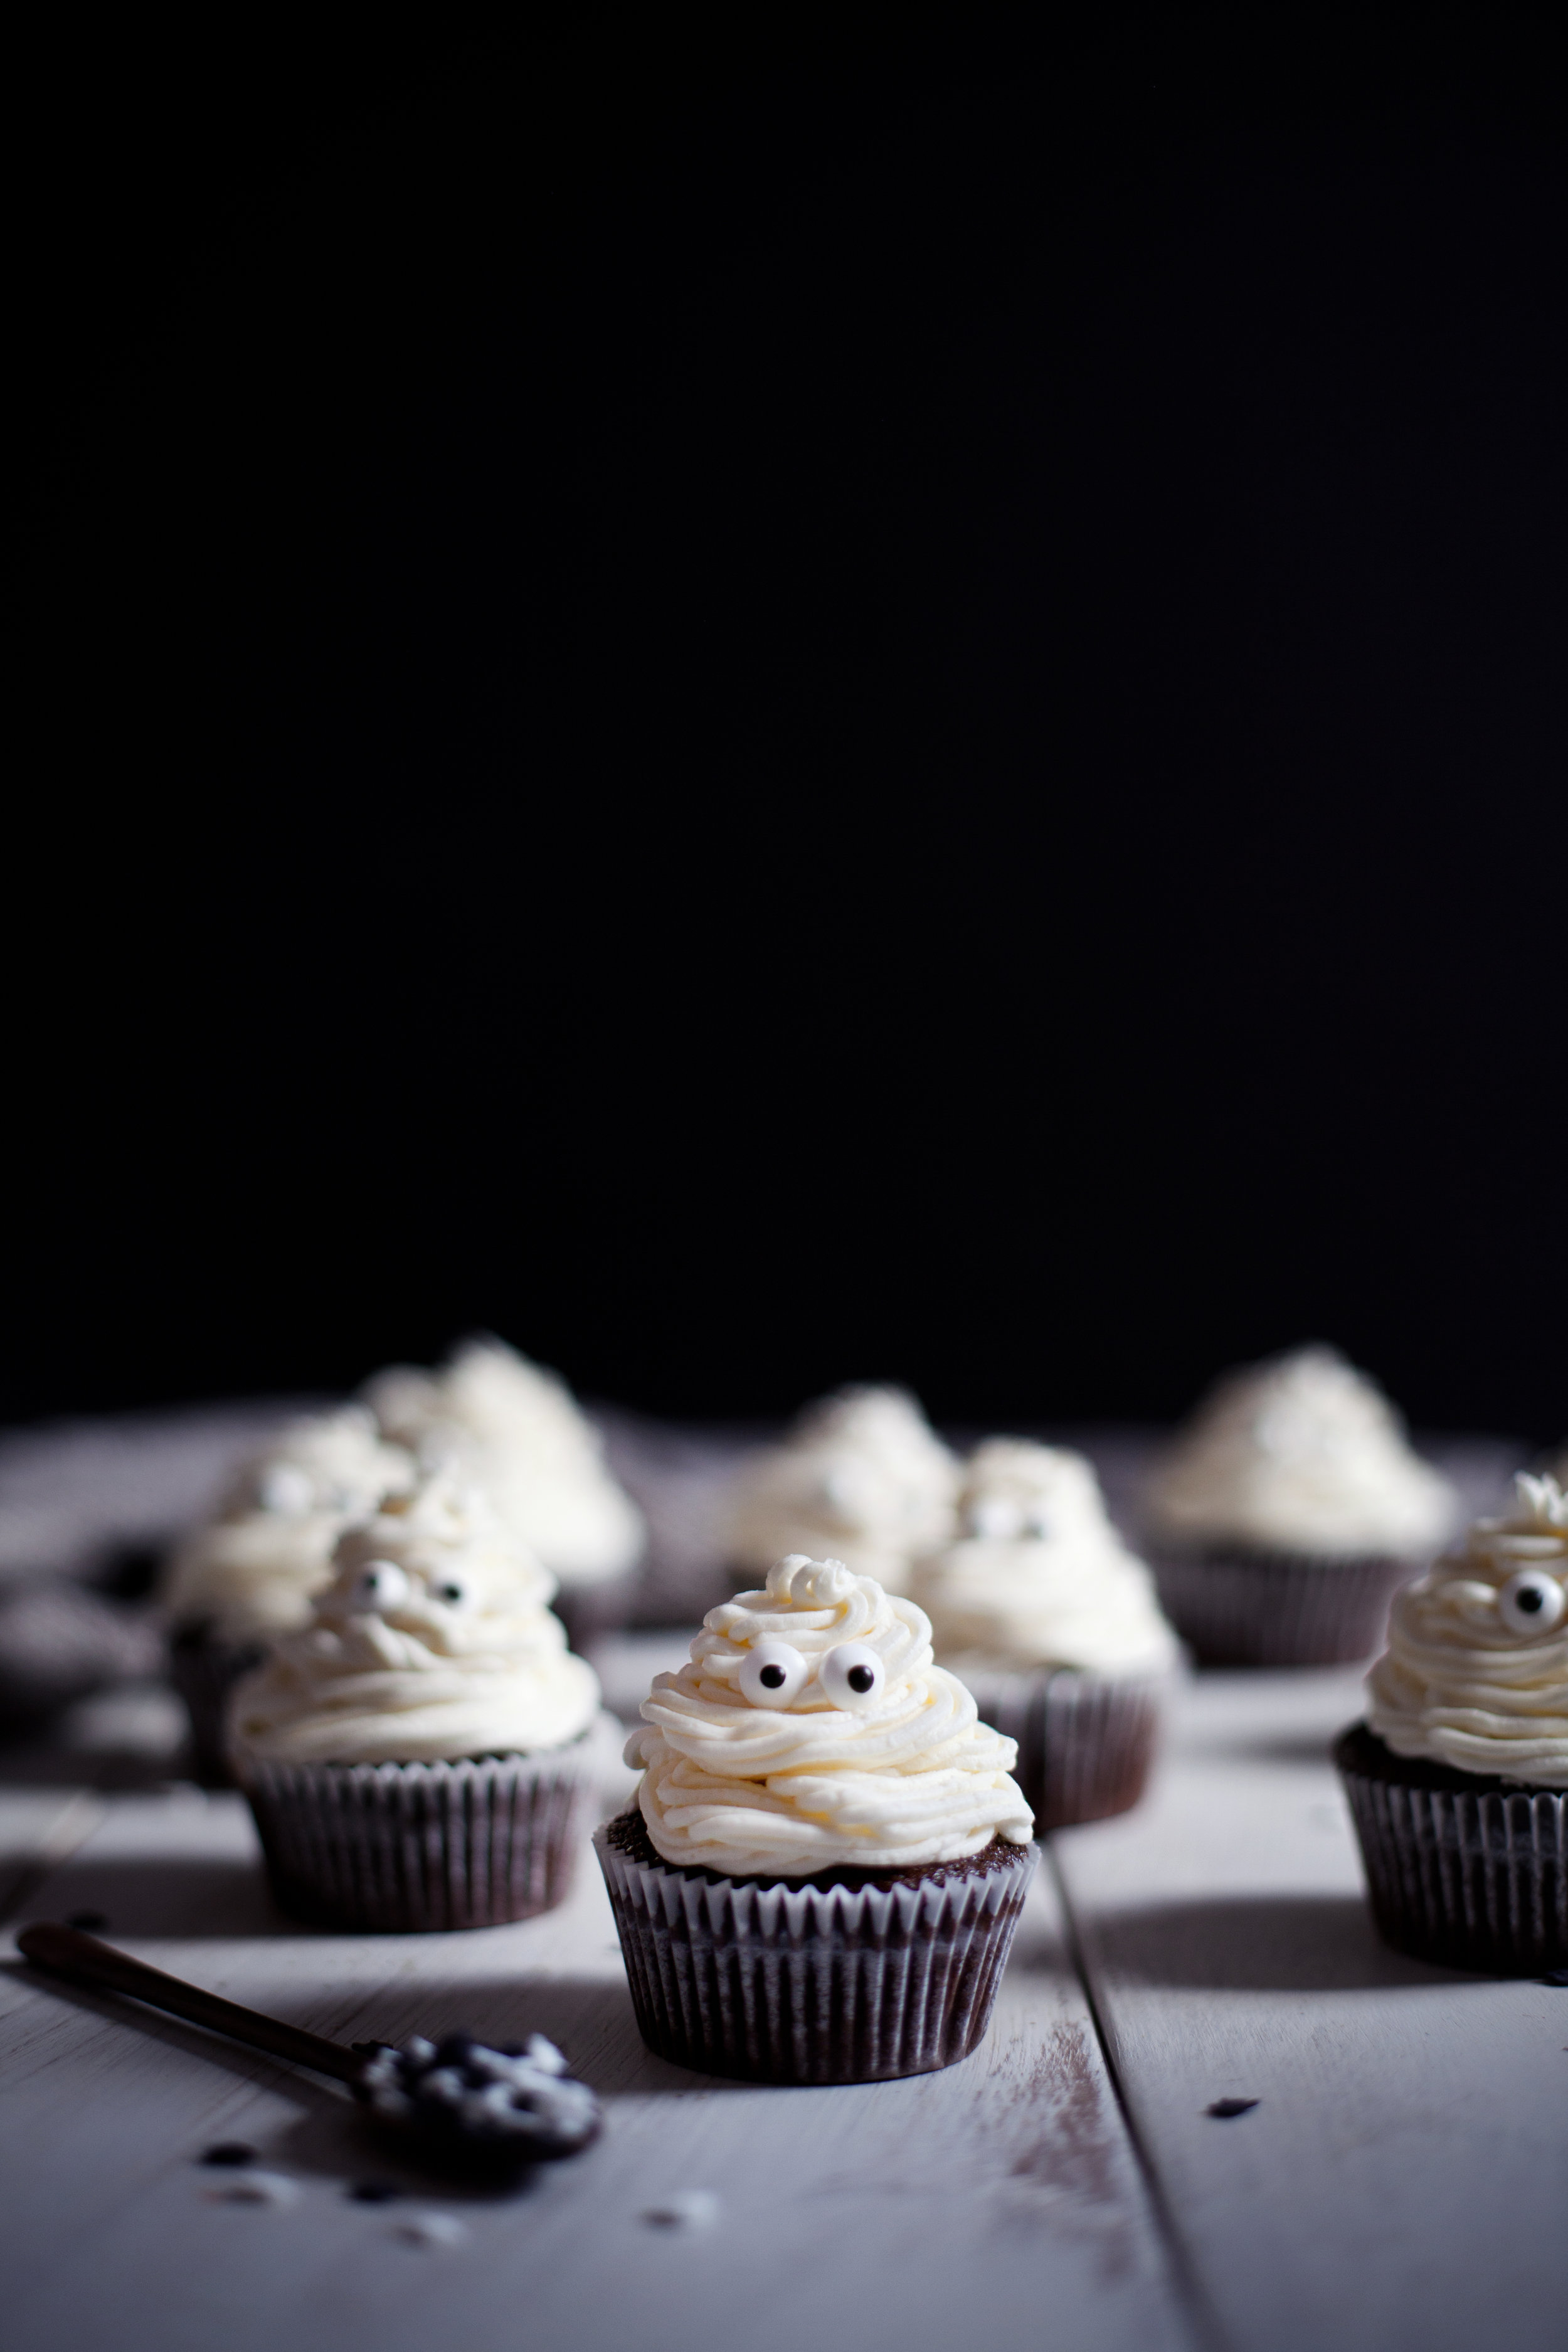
<point>914,1777</point>
<point>1040,1577</point>
<point>862,1477</point>
<point>1301,1454</point>
<point>253,1571</point>
<point>1476,1672</point>
<point>515,1429</point>
<point>433,1641</point>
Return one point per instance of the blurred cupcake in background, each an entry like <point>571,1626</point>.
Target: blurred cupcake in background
<point>862,1477</point>
<point>1052,1622</point>
<point>423,1753</point>
<point>1287,1512</point>
<point>251,1573</point>
<point>1459,1778</point>
<point>822,1872</point>
<point>514,1429</point>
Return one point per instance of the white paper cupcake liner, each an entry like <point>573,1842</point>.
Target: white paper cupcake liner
<point>401,1848</point>
<point>1472,1878</point>
<point>797,1983</point>
<point>1278,1609</point>
<point>1086,1742</point>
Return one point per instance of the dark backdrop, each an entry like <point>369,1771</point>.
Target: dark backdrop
<point>856,707</point>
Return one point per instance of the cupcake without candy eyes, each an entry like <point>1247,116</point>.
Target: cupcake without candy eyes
<point>1052,1622</point>
<point>503,1423</point>
<point>824,1869</point>
<point>862,1477</point>
<point>422,1754</point>
<point>1287,1512</point>
<point>251,1573</point>
<point>1458,1776</point>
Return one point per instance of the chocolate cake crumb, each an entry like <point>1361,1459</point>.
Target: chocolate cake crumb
<point>628,1833</point>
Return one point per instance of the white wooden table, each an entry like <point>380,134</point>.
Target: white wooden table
<point>1402,2182</point>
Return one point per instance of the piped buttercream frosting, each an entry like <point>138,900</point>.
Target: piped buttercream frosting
<point>1040,1577</point>
<point>1302,1453</point>
<point>434,1642</point>
<point>1475,1671</point>
<point>515,1429</point>
<point>862,1477</point>
<point>819,1772</point>
<point>252,1571</point>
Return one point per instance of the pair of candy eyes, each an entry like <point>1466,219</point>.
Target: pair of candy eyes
<point>852,1675</point>
<point>382,1585</point>
<point>1532,1602</point>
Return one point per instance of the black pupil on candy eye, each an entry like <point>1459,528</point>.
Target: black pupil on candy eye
<point>1530,1600</point>
<point>860,1679</point>
<point>450,1591</point>
<point>771,1677</point>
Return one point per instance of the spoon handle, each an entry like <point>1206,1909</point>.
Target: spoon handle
<point>69,1953</point>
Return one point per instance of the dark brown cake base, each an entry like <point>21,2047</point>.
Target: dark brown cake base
<point>1235,1608</point>
<point>848,1976</point>
<point>1462,1868</point>
<point>1086,1742</point>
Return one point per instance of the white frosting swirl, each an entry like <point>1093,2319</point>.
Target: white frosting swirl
<point>911,1778</point>
<point>1041,1578</point>
<point>513,1428</point>
<point>253,1571</point>
<point>1302,1453</point>
<point>1468,1679</point>
<point>461,1658</point>
<point>862,1476</point>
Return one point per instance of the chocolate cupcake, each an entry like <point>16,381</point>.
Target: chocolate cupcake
<point>862,1477</point>
<point>1042,1611</point>
<point>426,1753</point>
<point>1288,1514</point>
<point>1459,1778</point>
<point>823,1873</point>
<point>251,1573</point>
<point>509,1427</point>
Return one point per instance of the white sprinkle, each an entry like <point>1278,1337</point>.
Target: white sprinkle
<point>688,2209</point>
<point>258,2189</point>
<point>431,2230</point>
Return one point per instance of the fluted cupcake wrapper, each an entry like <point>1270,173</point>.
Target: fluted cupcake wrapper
<point>402,1848</point>
<point>1086,1742</point>
<point>1472,1878</point>
<point>1235,1608</point>
<point>808,1984</point>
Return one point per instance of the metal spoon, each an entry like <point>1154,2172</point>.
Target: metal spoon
<point>458,2100</point>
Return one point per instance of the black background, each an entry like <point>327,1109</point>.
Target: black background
<point>856,704</point>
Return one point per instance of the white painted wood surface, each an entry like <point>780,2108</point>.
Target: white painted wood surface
<point>1401,2183</point>
<point>1403,2180</point>
<point>999,2202</point>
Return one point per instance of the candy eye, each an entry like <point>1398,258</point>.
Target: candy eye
<point>853,1675</point>
<point>380,1585</point>
<point>1532,1602</point>
<point>773,1674</point>
<point>452,1592</point>
<point>994,1517</point>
